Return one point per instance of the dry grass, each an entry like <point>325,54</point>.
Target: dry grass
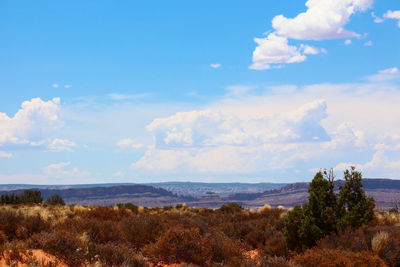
<point>388,218</point>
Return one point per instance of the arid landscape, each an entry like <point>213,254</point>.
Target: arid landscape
<point>338,224</point>
<point>48,235</point>
<point>212,133</point>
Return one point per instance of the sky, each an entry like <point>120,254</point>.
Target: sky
<point>210,91</point>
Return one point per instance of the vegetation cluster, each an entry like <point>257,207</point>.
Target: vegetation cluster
<point>127,235</point>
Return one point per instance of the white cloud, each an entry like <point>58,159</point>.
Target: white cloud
<point>60,170</point>
<point>4,154</point>
<point>275,51</point>
<point>393,15</point>
<point>385,75</point>
<point>322,20</point>
<point>206,128</point>
<point>55,85</point>
<point>67,86</point>
<point>61,145</point>
<point>215,65</point>
<point>379,166</point>
<point>388,142</point>
<point>311,50</point>
<point>213,141</point>
<point>128,143</point>
<point>346,137</point>
<point>31,123</point>
<point>376,18</point>
<point>253,135</point>
<point>238,90</point>
<point>368,43</point>
<point>347,42</point>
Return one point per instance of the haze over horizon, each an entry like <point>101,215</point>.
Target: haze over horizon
<point>217,91</point>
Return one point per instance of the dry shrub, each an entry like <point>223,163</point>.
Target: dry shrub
<point>178,245</point>
<point>63,244</point>
<point>265,208</point>
<point>275,262</point>
<point>143,229</point>
<point>337,257</point>
<point>107,213</point>
<point>354,240</point>
<point>99,231</point>
<point>18,226</point>
<point>218,248</point>
<point>77,209</point>
<point>9,223</point>
<point>388,218</point>
<point>3,238</point>
<point>275,245</point>
<point>112,254</point>
<point>387,248</point>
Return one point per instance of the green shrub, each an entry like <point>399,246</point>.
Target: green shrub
<point>55,200</point>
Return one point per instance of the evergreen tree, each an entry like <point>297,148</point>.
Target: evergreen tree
<point>355,208</point>
<point>55,199</point>
<point>327,212</point>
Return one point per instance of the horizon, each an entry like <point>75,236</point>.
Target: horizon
<point>100,92</point>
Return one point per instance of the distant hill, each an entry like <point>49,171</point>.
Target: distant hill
<point>386,193</point>
<point>109,195</point>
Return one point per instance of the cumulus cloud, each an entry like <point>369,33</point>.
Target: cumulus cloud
<point>347,42</point>
<point>393,15</point>
<point>380,165</point>
<point>205,128</point>
<point>255,135</point>
<point>275,50</point>
<point>31,124</point>
<point>61,170</point>
<point>128,143</point>
<point>346,137</point>
<point>214,141</point>
<point>55,85</point>
<point>385,75</point>
<point>321,21</point>
<point>67,86</point>
<point>61,145</point>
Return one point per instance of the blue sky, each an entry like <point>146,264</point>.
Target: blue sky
<point>224,91</point>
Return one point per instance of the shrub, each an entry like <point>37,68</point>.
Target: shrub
<point>326,212</point>
<point>178,245</point>
<point>231,208</point>
<point>112,254</point>
<point>336,257</point>
<point>55,200</point>
<point>354,208</point>
<point>142,229</point>
<point>220,249</point>
<point>386,248</point>
<point>64,244</point>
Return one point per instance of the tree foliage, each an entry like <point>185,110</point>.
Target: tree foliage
<point>55,199</point>
<point>328,212</point>
<point>28,196</point>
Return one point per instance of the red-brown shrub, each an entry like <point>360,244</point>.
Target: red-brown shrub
<point>336,257</point>
<point>107,213</point>
<point>178,245</point>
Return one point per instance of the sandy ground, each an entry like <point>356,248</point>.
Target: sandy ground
<point>40,256</point>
